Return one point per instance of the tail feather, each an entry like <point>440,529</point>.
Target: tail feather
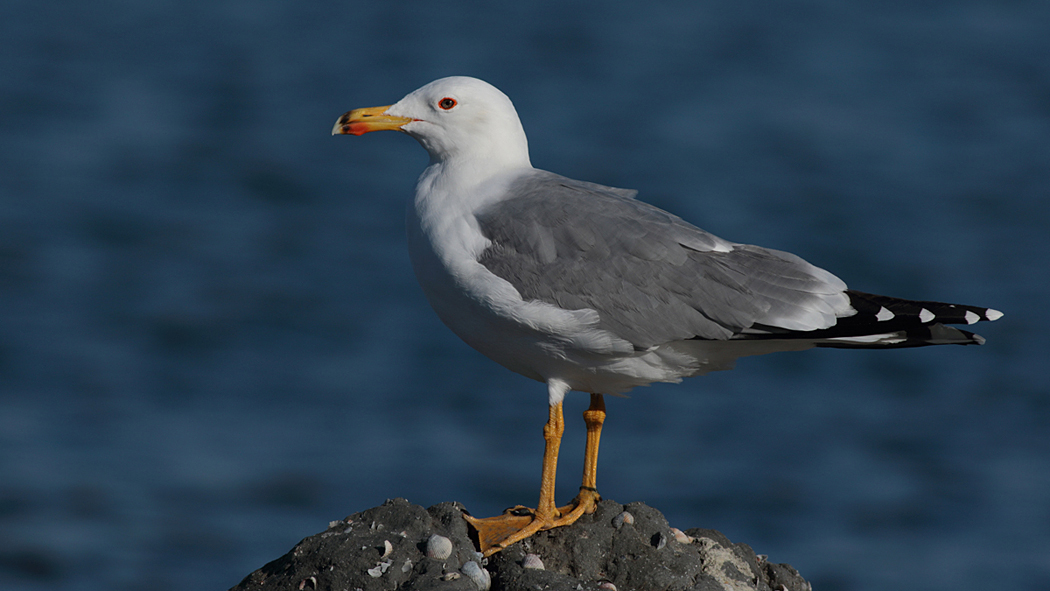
<point>887,322</point>
<point>884,308</point>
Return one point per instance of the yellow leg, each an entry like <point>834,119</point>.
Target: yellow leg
<point>587,500</point>
<point>594,417</point>
<point>514,525</point>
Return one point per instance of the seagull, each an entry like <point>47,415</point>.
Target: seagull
<point>583,287</point>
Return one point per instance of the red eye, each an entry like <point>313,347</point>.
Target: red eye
<point>447,103</point>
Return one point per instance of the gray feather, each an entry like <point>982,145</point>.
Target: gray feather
<point>652,277</point>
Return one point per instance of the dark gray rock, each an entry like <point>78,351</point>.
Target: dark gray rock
<point>384,548</point>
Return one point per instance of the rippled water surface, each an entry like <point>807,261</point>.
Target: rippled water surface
<point>212,344</point>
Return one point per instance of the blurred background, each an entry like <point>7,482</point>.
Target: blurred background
<point>212,343</point>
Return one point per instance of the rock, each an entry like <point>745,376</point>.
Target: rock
<point>386,548</point>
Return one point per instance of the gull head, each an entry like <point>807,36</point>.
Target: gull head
<point>455,119</point>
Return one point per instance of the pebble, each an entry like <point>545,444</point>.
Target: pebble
<point>439,547</point>
<point>622,518</point>
<point>480,576</point>
<point>607,585</point>
<point>532,561</point>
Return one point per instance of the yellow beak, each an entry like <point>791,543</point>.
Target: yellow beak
<point>361,121</point>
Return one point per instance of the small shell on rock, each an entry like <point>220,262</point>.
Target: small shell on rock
<point>607,585</point>
<point>452,576</point>
<point>532,561</point>
<point>622,518</point>
<point>308,583</point>
<point>380,568</point>
<point>439,547</point>
<point>680,536</point>
<point>407,566</point>
<point>387,548</point>
<point>480,576</point>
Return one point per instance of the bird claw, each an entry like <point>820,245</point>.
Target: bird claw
<point>520,522</point>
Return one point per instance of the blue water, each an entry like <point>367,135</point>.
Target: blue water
<point>212,344</point>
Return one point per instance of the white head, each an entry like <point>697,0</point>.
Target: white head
<point>453,118</point>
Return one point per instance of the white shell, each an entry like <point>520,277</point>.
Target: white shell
<point>480,576</point>
<point>680,536</point>
<point>439,547</point>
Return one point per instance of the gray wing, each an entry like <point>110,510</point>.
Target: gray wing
<point>652,277</point>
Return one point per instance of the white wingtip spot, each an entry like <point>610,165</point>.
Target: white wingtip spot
<point>884,315</point>
<point>991,314</point>
<point>926,316</point>
<point>971,317</point>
